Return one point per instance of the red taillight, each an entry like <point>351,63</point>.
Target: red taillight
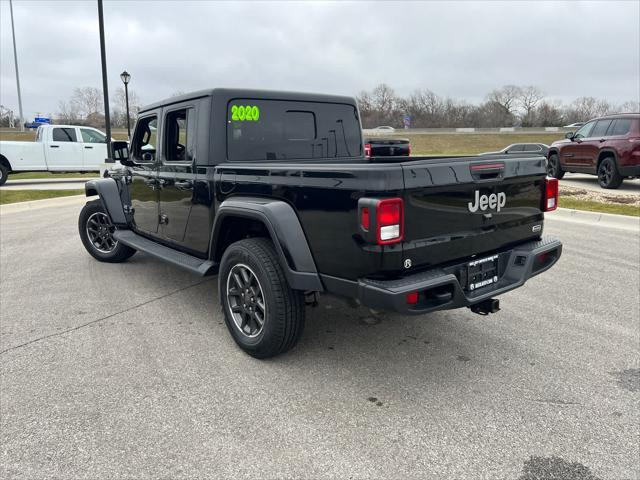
<point>550,198</point>
<point>364,218</point>
<point>367,149</point>
<point>412,298</point>
<point>390,220</point>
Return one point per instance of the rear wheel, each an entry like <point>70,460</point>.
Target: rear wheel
<point>608,176</point>
<point>96,232</point>
<point>263,314</point>
<point>4,174</point>
<point>554,169</point>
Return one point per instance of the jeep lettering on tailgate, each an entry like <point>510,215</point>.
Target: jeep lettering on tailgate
<point>484,202</point>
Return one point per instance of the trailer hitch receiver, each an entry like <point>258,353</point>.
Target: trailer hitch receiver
<point>491,305</point>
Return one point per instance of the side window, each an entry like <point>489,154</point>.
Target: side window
<point>92,136</point>
<point>600,130</point>
<point>532,148</point>
<point>145,139</point>
<point>64,135</point>
<point>179,136</point>
<point>585,130</point>
<point>621,126</point>
<point>281,129</point>
<point>515,148</point>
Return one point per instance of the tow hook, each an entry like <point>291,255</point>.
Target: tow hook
<point>491,305</point>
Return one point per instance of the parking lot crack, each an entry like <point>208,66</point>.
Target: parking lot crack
<point>98,320</point>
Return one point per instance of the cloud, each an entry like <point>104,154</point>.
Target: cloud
<point>460,49</point>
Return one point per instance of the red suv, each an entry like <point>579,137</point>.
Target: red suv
<point>608,147</point>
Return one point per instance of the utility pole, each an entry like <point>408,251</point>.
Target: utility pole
<point>15,59</point>
<point>105,85</point>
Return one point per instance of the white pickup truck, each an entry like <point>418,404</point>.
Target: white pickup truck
<point>57,148</point>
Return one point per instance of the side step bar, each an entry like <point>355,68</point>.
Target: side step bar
<point>189,262</point>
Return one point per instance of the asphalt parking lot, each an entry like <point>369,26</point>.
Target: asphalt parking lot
<point>127,371</point>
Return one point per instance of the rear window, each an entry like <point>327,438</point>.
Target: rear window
<point>601,128</point>
<point>64,135</point>
<point>284,130</point>
<point>621,126</point>
<point>532,148</point>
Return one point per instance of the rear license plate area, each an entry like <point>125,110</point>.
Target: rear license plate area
<point>482,273</point>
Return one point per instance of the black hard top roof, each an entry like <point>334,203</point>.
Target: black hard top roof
<point>231,93</point>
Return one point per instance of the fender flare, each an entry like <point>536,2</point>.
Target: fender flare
<point>107,190</point>
<point>285,230</point>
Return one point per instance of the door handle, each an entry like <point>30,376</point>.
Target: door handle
<point>54,146</point>
<point>603,140</point>
<point>184,185</point>
<point>87,147</point>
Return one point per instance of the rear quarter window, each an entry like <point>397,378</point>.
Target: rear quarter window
<point>621,126</point>
<point>285,130</point>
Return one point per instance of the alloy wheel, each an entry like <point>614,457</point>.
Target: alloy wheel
<point>605,173</point>
<point>100,232</point>
<point>245,300</point>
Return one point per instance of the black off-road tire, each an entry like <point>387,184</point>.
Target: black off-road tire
<point>554,169</point>
<point>608,175</point>
<point>283,314</point>
<point>112,251</point>
<point>4,174</point>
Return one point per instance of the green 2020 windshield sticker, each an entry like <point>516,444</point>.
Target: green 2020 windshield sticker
<point>245,113</point>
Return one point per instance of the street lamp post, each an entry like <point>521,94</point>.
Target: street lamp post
<point>125,77</point>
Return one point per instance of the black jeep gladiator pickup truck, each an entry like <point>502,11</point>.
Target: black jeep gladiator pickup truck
<point>272,192</point>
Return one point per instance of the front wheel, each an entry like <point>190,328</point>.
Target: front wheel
<point>96,232</point>
<point>608,176</point>
<point>263,314</point>
<point>554,169</point>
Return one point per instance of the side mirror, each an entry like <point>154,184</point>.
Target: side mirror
<point>568,135</point>
<point>121,152</point>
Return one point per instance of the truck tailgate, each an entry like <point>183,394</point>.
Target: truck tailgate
<point>461,207</point>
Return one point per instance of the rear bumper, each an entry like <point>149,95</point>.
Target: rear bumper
<point>441,289</point>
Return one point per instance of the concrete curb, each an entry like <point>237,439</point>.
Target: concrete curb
<point>625,222</point>
<point>44,181</point>
<point>45,203</point>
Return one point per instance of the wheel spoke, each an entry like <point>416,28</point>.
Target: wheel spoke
<point>246,277</point>
<point>236,309</point>
<point>260,304</point>
<point>238,281</point>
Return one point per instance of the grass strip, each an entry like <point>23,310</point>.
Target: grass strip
<point>15,196</point>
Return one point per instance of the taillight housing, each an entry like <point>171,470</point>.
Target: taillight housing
<point>367,149</point>
<point>381,221</point>
<point>550,194</point>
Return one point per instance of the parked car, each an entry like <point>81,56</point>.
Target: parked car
<point>574,125</point>
<point>522,149</point>
<point>387,147</point>
<point>608,147</point>
<point>240,183</point>
<point>57,148</point>
<point>384,129</point>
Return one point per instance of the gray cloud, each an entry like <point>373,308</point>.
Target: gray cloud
<point>460,49</point>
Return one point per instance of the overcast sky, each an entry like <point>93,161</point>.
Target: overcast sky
<point>463,50</point>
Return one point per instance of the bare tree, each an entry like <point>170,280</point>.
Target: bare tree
<point>528,99</point>
<point>506,97</point>
<point>87,100</point>
<point>120,107</point>
<point>68,113</point>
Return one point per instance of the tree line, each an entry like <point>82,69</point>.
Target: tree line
<point>508,106</point>
<point>86,107</point>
